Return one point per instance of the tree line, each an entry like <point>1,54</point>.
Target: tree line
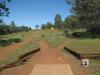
<point>85,15</point>
<point>12,28</point>
<point>70,22</point>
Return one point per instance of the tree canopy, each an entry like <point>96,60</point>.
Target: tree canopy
<point>58,21</point>
<point>88,13</point>
<point>4,10</point>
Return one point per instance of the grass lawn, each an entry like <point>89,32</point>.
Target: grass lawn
<point>22,35</point>
<point>37,35</point>
<point>54,38</point>
<point>86,46</point>
<point>94,66</point>
<point>14,35</point>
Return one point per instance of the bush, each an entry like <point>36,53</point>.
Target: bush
<point>9,41</point>
<point>82,35</point>
<point>3,42</point>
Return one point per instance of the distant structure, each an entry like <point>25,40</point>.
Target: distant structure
<point>52,28</point>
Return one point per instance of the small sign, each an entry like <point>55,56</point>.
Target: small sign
<point>85,62</point>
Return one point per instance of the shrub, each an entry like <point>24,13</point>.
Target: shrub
<point>16,40</point>
<point>9,41</point>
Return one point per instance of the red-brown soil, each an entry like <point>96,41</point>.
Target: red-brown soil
<point>47,55</point>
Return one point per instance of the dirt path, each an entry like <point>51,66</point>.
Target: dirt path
<point>55,69</point>
<point>45,56</point>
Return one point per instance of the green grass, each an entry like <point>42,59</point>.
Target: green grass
<point>0,46</point>
<point>14,56</point>
<point>35,36</point>
<point>94,66</point>
<point>87,46</point>
<point>23,35</point>
<point>54,38</point>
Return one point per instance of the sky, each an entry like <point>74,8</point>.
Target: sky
<point>36,12</point>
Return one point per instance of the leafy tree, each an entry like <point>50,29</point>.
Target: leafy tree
<point>58,21</point>
<point>43,26</point>
<point>88,13</point>
<point>72,23</point>
<point>1,21</point>
<point>13,26</point>
<point>49,25</point>
<point>4,10</point>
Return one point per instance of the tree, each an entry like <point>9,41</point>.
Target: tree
<point>72,22</point>
<point>36,26</point>
<point>88,13</point>
<point>49,25</point>
<point>58,21</point>
<point>13,26</point>
<point>43,26</point>
<point>4,10</point>
<point>1,22</point>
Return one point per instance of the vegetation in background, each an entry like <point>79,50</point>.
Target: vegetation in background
<point>49,25</point>
<point>9,41</point>
<point>36,26</point>
<point>88,14</point>
<point>54,38</point>
<point>12,28</point>
<point>58,21</point>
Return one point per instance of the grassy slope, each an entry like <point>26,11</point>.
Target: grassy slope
<point>22,35</point>
<point>19,34</point>
<point>54,38</point>
<point>35,36</point>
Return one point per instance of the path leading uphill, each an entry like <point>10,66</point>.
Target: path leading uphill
<point>46,56</point>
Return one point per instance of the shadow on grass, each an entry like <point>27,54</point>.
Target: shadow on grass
<point>84,35</point>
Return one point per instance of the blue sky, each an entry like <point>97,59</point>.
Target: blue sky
<point>33,12</point>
